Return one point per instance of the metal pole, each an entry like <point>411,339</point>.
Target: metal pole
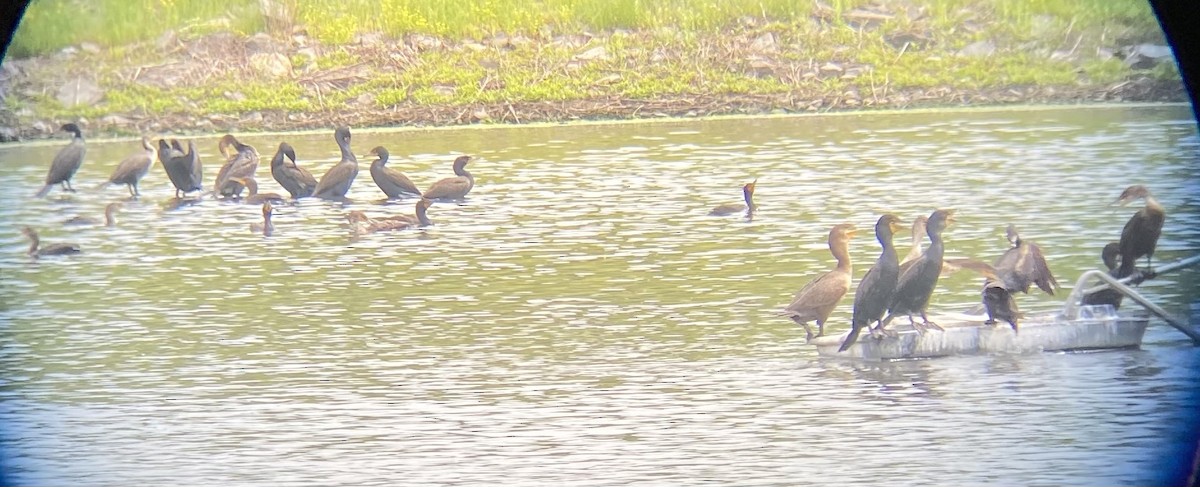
<point>1179,264</point>
<point>1071,310</point>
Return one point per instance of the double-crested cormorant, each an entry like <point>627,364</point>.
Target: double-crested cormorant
<point>255,197</point>
<point>337,180</point>
<point>1110,255</point>
<point>242,163</point>
<point>183,169</point>
<point>875,290</point>
<point>393,183</point>
<point>999,303</point>
<point>1141,232</point>
<point>133,168</point>
<point>110,218</point>
<point>66,162</point>
<point>361,223</point>
<point>817,299</point>
<point>52,249</point>
<point>919,277</point>
<point>918,236</point>
<point>1024,264</point>
<point>731,208</point>
<point>266,227</point>
<point>453,188</point>
<point>295,180</point>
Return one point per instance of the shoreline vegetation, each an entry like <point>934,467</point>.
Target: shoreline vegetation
<point>278,65</point>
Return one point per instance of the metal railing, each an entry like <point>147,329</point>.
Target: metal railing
<point>1071,309</point>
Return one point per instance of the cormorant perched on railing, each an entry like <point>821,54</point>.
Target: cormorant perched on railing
<point>1141,232</point>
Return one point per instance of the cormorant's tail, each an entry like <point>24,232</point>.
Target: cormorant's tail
<point>45,190</point>
<point>850,339</point>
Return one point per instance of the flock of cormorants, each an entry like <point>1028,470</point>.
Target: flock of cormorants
<point>894,288</point>
<point>185,171</point>
<point>890,288</point>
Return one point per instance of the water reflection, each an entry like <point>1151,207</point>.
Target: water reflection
<point>579,319</point>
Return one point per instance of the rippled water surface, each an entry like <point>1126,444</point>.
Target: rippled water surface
<point>579,320</point>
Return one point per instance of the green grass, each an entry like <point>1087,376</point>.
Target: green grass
<point>656,49</point>
<point>49,25</point>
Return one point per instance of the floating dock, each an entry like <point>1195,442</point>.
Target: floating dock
<point>1075,327</point>
<point>967,335</point>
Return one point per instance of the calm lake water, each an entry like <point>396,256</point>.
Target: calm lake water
<point>579,320</point>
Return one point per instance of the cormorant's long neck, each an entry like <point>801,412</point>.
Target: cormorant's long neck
<point>277,161</point>
<point>109,219</point>
<point>347,154</point>
<point>268,227</point>
<point>379,163</point>
<point>841,252</point>
<point>33,243</point>
<point>1152,205</point>
<point>935,246</point>
<point>749,196</point>
<point>888,256</point>
<point>252,186</point>
<point>461,170</point>
<point>425,221</point>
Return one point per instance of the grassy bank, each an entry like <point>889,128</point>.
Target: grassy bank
<point>280,64</point>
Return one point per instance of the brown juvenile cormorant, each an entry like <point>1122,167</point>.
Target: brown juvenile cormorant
<point>266,227</point>
<point>816,300</point>
<point>133,168</point>
<point>364,224</point>
<point>999,303</point>
<point>242,163</point>
<point>66,162</point>
<point>110,218</point>
<point>1023,264</point>
<point>1110,256</point>
<point>337,180</point>
<point>295,180</point>
<point>918,236</point>
<point>1141,232</point>
<point>731,208</point>
<point>52,249</point>
<point>919,277</point>
<point>454,188</point>
<point>393,183</point>
<point>255,197</point>
<point>875,290</point>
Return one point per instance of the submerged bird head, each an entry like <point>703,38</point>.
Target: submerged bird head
<point>1132,193</point>
<point>380,152</point>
